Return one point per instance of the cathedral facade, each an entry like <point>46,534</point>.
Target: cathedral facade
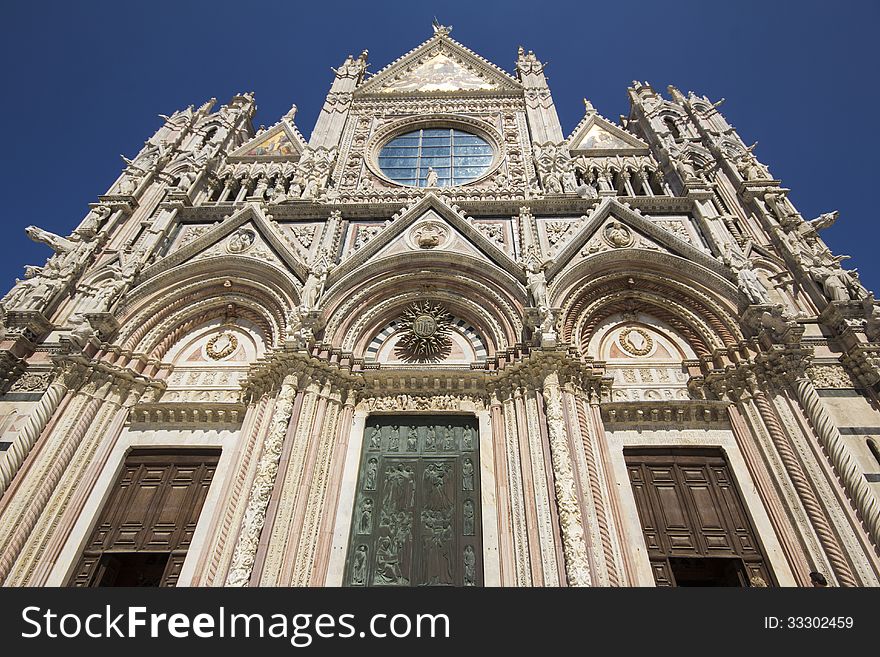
<point>441,343</point>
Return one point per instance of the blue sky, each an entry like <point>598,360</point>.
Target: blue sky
<point>84,82</point>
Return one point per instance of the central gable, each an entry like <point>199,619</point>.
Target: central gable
<point>439,65</point>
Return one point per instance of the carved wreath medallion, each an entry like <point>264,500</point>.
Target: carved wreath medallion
<point>617,235</point>
<point>221,345</point>
<point>635,342</point>
<point>241,240</point>
<point>425,328</point>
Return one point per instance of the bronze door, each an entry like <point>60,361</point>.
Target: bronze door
<point>147,523</point>
<point>695,524</point>
<point>416,519</point>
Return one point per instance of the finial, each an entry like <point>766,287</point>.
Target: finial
<point>442,30</point>
<point>588,107</point>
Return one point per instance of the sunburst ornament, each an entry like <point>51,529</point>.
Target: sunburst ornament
<point>425,328</point>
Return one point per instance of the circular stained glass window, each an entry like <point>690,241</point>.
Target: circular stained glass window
<point>435,157</point>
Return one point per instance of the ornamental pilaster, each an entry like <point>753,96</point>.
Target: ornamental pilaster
<point>267,470</point>
<point>577,566</point>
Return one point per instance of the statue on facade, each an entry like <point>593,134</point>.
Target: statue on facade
<point>93,222</point>
<point>750,169</point>
<point>537,285</point>
<point>313,288</point>
<point>81,331</point>
<point>431,178</point>
<point>833,280</point>
<point>746,278</point>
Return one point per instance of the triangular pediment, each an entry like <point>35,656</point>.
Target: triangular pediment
<point>280,142</point>
<point>429,226</point>
<point>614,226</point>
<point>245,234</point>
<point>598,136</point>
<point>439,65</point>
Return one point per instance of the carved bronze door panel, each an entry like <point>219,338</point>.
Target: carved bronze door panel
<point>695,524</point>
<point>416,518</point>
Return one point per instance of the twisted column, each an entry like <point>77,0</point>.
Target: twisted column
<point>805,491</point>
<point>846,467</point>
<point>267,471</point>
<point>36,422</point>
<point>61,460</point>
<point>602,515</point>
<point>574,547</point>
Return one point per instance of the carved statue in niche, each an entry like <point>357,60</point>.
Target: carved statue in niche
<point>106,291</point>
<point>394,441</point>
<point>467,474</point>
<point>359,566</point>
<point>375,437</point>
<point>127,185</point>
<point>467,438</point>
<point>431,440</point>
<point>365,522</point>
<point>750,169</point>
<point>468,518</point>
<point>470,566</point>
<point>372,471</point>
<point>448,439</point>
<point>412,440</point>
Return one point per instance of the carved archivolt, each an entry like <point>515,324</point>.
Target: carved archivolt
<point>148,328</point>
<point>355,321</point>
<point>704,323</point>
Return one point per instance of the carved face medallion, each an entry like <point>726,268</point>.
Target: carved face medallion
<point>221,345</point>
<point>617,235</point>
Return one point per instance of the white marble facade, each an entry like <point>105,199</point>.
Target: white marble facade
<point>439,245</point>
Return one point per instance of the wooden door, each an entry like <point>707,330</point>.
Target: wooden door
<point>146,526</point>
<point>696,527</point>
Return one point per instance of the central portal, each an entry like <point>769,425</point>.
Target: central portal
<point>416,519</point>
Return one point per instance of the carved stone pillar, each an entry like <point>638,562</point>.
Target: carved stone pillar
<point>593,479</point>
<point>846,467</point>
<point>279,530</point>
<point>808,496</point>
<point>267,470</point>
<point>314,506</point>
<point>36,422</point>
<point>517,495</point>
<point>574,548</point>
<point>215,561</point>
<point>331,503</point>
<point>56,477</point>
<point>779,515</point>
